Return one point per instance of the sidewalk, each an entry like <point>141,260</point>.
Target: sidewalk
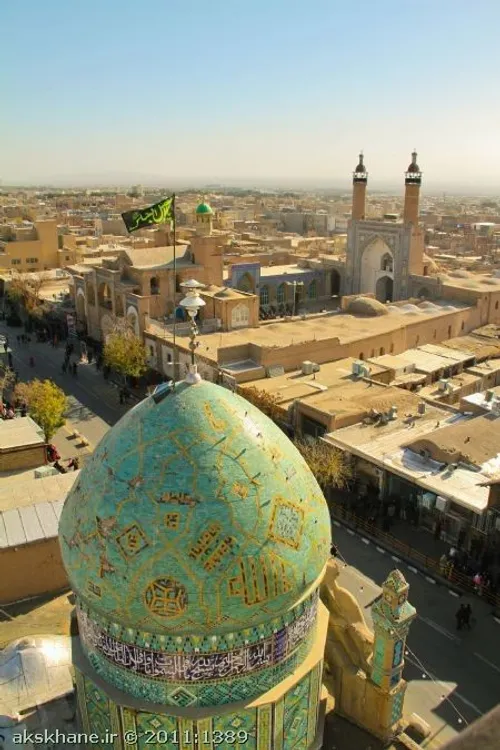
<point>425,560</point>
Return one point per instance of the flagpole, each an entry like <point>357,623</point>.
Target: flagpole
<point>174,352</point>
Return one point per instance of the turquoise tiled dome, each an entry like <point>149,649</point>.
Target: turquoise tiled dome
<point>194,515</point>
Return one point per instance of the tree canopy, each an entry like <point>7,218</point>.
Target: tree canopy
<point>327,463</point>
<point>125,353</point>
<point>266,402</point>
<point>46,403</point>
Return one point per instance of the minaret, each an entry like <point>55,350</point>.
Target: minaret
<point>392,616</point>
<point>359,180</point>
<point>413,180</point>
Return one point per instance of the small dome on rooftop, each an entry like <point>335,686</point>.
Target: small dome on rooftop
<point>204,208</point>
<point>366,306</point>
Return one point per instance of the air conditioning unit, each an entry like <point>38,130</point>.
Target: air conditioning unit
<point>355,368</point>
<point>421,407</point>
<point>442,384</point>
<point>316,367</point>
<point>489,396</point>
<point>393,412</point>
<point>307,368</point>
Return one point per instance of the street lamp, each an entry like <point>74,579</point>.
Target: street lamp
<point>192,303</point>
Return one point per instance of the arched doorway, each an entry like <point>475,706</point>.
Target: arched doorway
<point>246,283</point>
<point>376,262</point>
<point>104,296</point>
<point>335,283</point>
<point>80,306</point>
<point>133,320</point>
<point>384,289</point>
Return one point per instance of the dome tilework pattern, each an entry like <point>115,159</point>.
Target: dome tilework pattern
<point>194,515</point>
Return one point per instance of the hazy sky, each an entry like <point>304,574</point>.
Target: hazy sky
<point>262,90</point>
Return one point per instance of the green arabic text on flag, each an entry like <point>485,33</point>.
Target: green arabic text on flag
<point>159,213</point>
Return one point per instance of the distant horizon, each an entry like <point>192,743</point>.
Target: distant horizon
<point>263,94</point>
<point>216,184</point>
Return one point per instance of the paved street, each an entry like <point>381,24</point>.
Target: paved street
<point>89,394</point>
<point>454,677</point>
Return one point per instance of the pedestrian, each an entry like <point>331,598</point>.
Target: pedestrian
<point>467,616</point>
<point>74,464</point>
<point>478,583</point>
<point>74,368</point>
<point>460,616</point>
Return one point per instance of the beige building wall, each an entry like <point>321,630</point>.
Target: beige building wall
<point>33,254</point>
<point>20,562</point>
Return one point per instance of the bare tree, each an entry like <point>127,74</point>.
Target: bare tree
<point>25,288</point>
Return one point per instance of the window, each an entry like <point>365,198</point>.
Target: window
<point>462,326</point>
<point>361,356</point>
<point>435,334</point>
<point>169,357</point>
<point>449,332</point>
<point>31,260</point>
<point>280,294</point>
<point>496,305</point>
<point>16,261</point>
<point>312,291</point>
<point>392,348</point>
<point>417,340</point>
<point>154,286</point>
<point>382,351</point>
<point>67,257</point>
<point>264,295</point>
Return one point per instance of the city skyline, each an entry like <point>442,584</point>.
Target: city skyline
<point>265,96</point>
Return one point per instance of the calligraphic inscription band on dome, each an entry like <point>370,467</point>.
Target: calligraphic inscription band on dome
<point>193,667</point>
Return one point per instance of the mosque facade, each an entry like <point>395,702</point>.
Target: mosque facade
<point>195,541</point>
<point>383,255</point>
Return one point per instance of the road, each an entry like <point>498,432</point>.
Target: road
<point>93,403</point>
<point>454,677</point>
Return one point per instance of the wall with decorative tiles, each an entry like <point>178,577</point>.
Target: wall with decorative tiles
<point>290,723</point>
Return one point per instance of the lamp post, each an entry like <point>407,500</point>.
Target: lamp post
<point>192,303</point>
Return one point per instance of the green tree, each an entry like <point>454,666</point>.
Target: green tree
<point>327,463</point>
<point>7,379</point>
<point>46,403</point>
<point>125,353</point>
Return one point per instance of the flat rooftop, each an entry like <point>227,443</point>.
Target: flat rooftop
<point>385,446</point>
<point>280,334</point>
<point>19,433</point>
<point>470,280</point>
<point>295,385</point>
